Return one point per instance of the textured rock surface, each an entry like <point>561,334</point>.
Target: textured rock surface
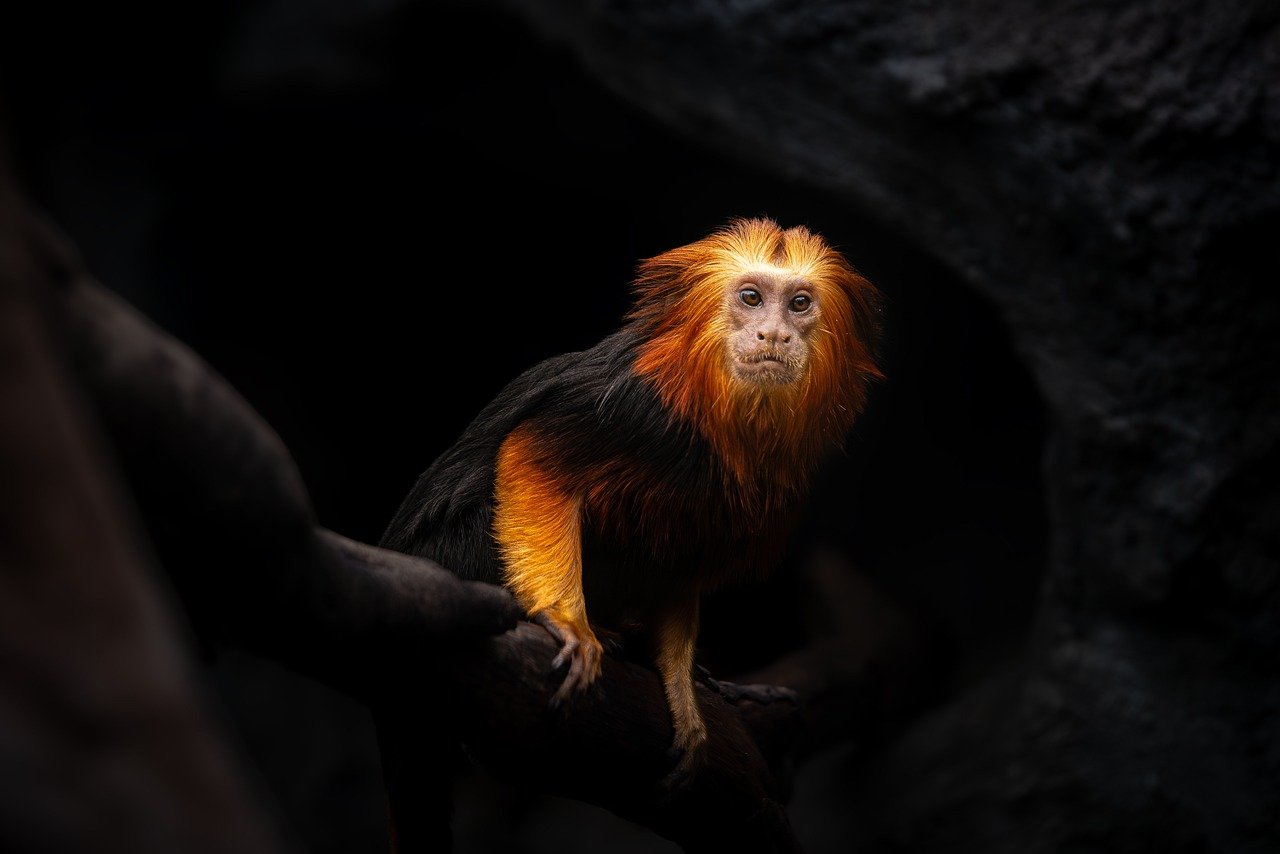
<point>1109,176</point>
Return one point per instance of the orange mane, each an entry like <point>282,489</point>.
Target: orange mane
<point>680,305</point>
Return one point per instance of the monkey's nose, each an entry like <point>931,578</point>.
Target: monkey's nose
<point>773,335</point>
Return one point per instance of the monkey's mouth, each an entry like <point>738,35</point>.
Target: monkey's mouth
<point>757,358</point>
<point>766,367</point>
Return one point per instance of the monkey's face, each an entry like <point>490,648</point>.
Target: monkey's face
<point>772,314</point>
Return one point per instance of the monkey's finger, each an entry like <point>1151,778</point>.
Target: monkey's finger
<point>570,682</point>
<point>567,653</point>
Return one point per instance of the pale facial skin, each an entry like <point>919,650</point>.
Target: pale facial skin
<point>772,315</point>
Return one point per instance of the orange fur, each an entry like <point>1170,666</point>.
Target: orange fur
<point>536,524</point>
<point>679,297</point>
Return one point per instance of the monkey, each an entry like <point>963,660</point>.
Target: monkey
<point>615,485</point>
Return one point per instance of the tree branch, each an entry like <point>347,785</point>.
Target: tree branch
<point>611,747</point>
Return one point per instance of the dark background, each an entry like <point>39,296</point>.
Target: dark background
<point>370,219</point>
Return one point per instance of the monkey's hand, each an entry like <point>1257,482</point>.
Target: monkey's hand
<point>580,648</point>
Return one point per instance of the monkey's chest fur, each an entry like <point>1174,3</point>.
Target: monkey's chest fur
<point>660,512</point>
<point>651,535</point>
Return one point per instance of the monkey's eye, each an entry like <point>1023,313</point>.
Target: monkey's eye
<point>750,296</point>
<point>801,302</point>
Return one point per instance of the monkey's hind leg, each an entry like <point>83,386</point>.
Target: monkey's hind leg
<point>677,635</point>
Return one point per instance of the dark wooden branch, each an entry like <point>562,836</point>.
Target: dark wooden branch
<point>611,746</point>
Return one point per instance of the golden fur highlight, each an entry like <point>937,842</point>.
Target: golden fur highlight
<point>680,303</point>
<point>536,524</point>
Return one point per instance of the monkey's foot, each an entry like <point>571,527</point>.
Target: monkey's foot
<point>691,746</point>
<point>580,649</point>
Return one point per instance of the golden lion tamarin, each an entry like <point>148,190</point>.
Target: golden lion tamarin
<point>616,484</point>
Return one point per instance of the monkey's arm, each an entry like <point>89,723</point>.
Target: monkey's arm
<point>537,520</point>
